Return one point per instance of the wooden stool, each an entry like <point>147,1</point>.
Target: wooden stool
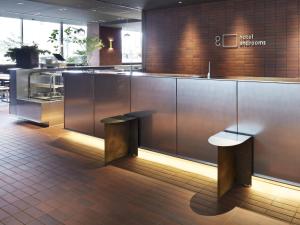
<point>121,137</point>
<point>235,160</point>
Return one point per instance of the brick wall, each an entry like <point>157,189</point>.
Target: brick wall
<point>182,40</point>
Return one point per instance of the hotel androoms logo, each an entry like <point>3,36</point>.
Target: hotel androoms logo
<point>238,41</point>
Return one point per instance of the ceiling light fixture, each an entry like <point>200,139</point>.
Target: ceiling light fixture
<point>20,3</point>
<point>180,2</point>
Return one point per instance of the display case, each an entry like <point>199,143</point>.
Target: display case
<point>46,86</point>
<point>37,95</point>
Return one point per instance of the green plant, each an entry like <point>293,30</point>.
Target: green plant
<point>12,52</point>
<point>77,36</point>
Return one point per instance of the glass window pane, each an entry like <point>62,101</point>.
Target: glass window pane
<point>39,32</point>
<point>10,37</point>
<point>71,49</point>
<point>131,47</point>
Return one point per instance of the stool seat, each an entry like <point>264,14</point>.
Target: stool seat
<point>118,119</point>
<point>227,139</point>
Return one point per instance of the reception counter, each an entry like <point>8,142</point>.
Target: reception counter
<point>179,113</point>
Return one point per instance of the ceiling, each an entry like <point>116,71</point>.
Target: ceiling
<point>69,13</point>
<point>84,11</point>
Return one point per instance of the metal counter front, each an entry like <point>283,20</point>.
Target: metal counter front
<point>178,115</point>
<point>156,97</point>
<point>112,98</point>
<point>79,103</point>
<point>204,107</point>
<point>271,112</point>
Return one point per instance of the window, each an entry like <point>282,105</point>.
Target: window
<point>131,47</point>
<point>39,32</point>
<point>10,37</point>
<point>71,49</point>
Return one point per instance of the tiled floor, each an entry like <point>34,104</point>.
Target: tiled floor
<point>48,177</point>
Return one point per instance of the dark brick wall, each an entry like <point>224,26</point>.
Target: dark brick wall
<point>182,40</point>
<point>111,56</point>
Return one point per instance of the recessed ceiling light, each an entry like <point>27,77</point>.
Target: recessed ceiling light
<point>180,2</point>
<point>20,3</point>
<point>94,10</point>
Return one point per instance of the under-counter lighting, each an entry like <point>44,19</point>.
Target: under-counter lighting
<point>275,188</point>
<point>85,140</point>
<point>258,184</point>
<point>178,163</point>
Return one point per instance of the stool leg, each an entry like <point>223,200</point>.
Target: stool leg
<point>133,138</point>
<point>116,141</point>
<point>244,163</point>
<point>226,170</point>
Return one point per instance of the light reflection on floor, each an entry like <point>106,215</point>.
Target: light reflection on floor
<point>259,184</point>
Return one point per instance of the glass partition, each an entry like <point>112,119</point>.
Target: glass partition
<point>39,32</point>
<point>71,49</point>
<point>10,37</point>
<point>131,47</point>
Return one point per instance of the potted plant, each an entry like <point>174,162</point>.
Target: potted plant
<point>77,36</point>
<point>26,57</point>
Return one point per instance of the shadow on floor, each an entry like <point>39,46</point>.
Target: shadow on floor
<point>205,205</point>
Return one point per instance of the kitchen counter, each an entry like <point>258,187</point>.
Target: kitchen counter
<point>191,76</point>
<point>179,113</point>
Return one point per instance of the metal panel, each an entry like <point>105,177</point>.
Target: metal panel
<point>13,92</point>
<point>79,103</point>
<point>30,111</point>
<point>205,107</point>
<point>112,97</point>
<point>271,112</point>
<point>156,98</point>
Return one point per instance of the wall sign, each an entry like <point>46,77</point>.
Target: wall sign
<point>238,41</point>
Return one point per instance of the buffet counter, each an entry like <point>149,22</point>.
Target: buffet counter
<point>37,95</point>
<point>179,113</point>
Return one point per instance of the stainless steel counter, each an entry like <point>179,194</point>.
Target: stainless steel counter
<point>179,113</point>
<point>196,76</point>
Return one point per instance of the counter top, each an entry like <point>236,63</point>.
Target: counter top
<point>189,76</point>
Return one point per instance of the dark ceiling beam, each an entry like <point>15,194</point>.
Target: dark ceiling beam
<point>121,22</point>
<point>119,5</point>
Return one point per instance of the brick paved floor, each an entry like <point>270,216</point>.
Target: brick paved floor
<point>45,179</point>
